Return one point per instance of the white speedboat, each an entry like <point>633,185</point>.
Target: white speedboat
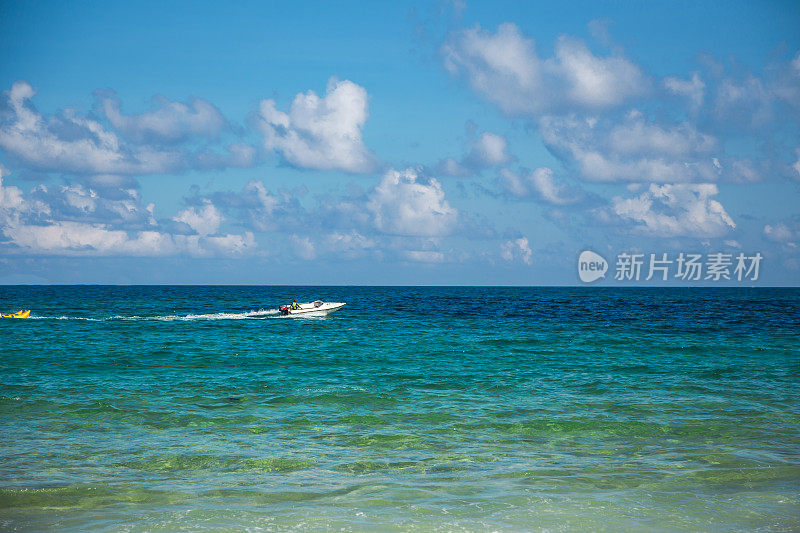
<point>317,308</point>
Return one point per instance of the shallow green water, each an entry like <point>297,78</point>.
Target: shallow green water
<point>169,408</point>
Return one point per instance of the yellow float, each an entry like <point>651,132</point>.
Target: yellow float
<point>18,314</point>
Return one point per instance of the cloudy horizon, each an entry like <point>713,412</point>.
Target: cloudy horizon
<point>431,144</point>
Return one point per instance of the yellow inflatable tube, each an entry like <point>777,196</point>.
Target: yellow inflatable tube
<point>18,314</point>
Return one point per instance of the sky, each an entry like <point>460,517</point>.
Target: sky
<point>399,143</point>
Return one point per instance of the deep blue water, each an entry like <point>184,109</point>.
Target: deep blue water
<point>476,409</point>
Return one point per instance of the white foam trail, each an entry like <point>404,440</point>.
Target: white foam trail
<point>217,316</point>
<point>169,318</point>
<point>33,317</point>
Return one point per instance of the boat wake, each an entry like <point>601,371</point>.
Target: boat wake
<point>245,315</point>
<point>261,313</point>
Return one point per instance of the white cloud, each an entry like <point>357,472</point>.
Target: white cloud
<point>351,243</point>
<point>401,213</point>
<point>632,150</point>
<point>451,167</point>
<point>748,100</point>
<point>235,155</point>
<point>260,209</point>
<point>72,143</point>
<point>219,245</point>
<point>675,210</point>
<point>491,149</point>
<point>780,232</point>
<point>505,68</point>
<point>486,150</point>
<point>73,220</point>
<point>692,89</point>
<point>514,183</point>
<point>264,201</point>
<point>540,183</point>
<point>517,249</point>
<point>78,238</point>
<point>637,136</point>
<point>121,208</point>
<point>303,247</point>
<point>740,101</point>
<point>320,133</point>
<point>594,81</point>
<point>424,256</point>
<point>111,182</point>
<point>10,197</point>
<point>796,165</point>
<point>205,221</point>
<point>403,205</point>
<point>166,122</point>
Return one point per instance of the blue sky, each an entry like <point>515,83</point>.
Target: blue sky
<point>394,143</point>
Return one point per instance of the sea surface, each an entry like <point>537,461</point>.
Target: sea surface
<point>416,409</point>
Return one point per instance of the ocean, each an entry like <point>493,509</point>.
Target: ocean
<point>155,408</point>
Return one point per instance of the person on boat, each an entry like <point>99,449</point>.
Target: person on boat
<point>295,305</point>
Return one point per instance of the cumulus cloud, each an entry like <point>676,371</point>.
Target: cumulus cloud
<point>77,238</point>
<point>258,208</point>
<point>235,155</point>
<point>111,184</point>
<point>634,149</point>
<point>74,220</point>
<point>76,203</point>
<point>675,210</point>
<point>486,150</point>
<point>505,68</point>
<point>517,249</point>
<point>402,204</point>
<point>638,136</point>
<point>402,216</point>
<point>780,232</point>
<point>349,244</point>
<point>796,165</point>
<point>320,133</point>
<point>80,203</point>
<point>786,234</point>
<point>747,100</point>
<point>541,184</point>
<point>68,142</point>
<point>204,221</point>
<point>303,247</point>
<point>165,122</point>
<point>490,149</point>
<point>423,256</point>
<point>147,143</point>
<point>402,212</point>
<point>692,89</point>
<point>741,100</point>
<point>10,197</point>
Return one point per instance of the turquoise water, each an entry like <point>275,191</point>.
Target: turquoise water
<point>453,409</point>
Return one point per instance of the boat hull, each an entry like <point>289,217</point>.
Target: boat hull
<point>310,309</point>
